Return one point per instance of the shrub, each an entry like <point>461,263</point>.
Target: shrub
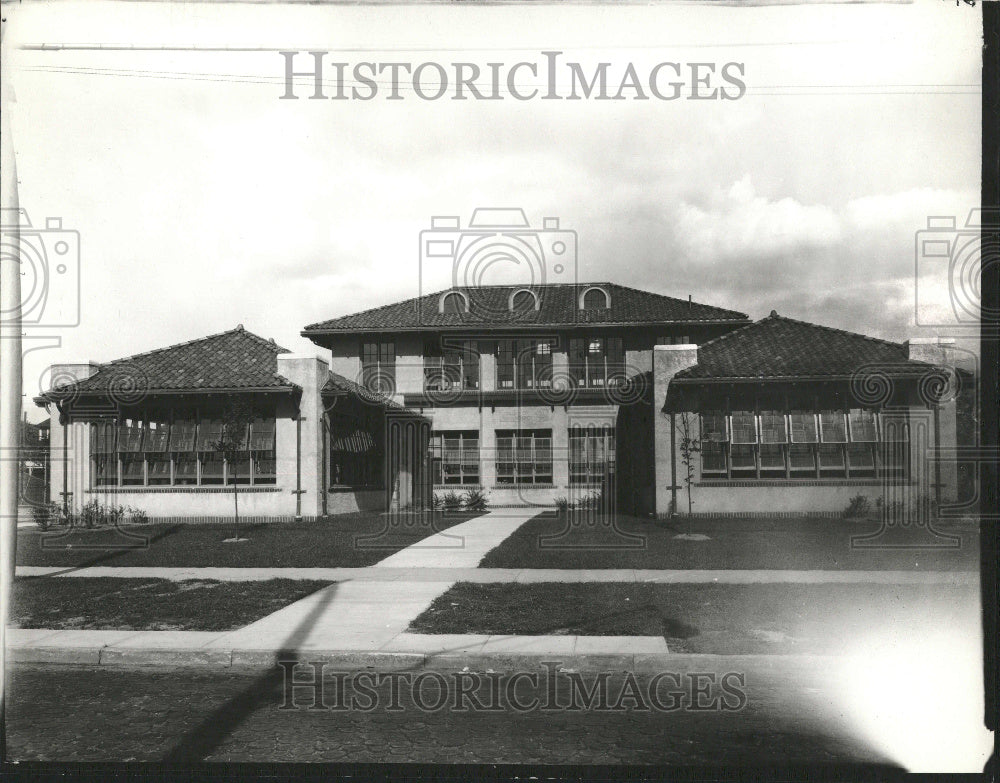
<point>857,506</point>
<point>137,516</point>
<point>93,514</point>
<point>475,500</point>
<point>562,504</point>
<point>452,501</point>
<point>113,515</point>
<point>436,501</point>
<point>90,515</point>
<point>590,501</point>
<point>46,516</point>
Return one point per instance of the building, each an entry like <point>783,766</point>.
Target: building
<point>143,432</point>
<point>595,393</point>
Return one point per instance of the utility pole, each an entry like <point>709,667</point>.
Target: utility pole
<point>10,362</point>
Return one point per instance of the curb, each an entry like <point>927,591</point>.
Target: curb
<point>341,660</point>
<point>261,661</point>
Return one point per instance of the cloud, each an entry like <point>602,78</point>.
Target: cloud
<point>740,224</point>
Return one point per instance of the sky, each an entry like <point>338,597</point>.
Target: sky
<point>203,201</point>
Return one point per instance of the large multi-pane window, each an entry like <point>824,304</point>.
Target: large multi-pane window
<point>155,445</point>
<point>524,364</point>
<point>596,362</point>
<point>378,366</point>
<point>104,453</point>
<point>800,444</point>
<point>451,367</point>
<point>165,450</point>
<point>183,437</point>
<point>591,454</point>
<point>455,456</point>
<point>262,451</point>
<point>524,457</point>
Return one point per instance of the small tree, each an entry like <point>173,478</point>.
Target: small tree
<point>689,447</point>
<point>233,444</point>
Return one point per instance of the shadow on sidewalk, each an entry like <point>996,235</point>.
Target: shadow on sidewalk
<point>208,735</point>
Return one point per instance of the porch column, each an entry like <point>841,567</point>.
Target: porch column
<point>943,433</point>
<point>299,443</point>
<point>668,360</point>
<point>69,442</point>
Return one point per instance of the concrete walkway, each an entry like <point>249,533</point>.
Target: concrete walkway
<point>521,575</point>
<point>461,546</point>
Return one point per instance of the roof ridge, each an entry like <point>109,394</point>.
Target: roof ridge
<point>364,312</point>
<point>774,316</point>
<point>677,299</point>
<point>724,335</point>
<point>182,344</point>
<point>723,312</point>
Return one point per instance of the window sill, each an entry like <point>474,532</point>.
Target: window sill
<point>803,482</point>
<point>243,489</point>
<point>524,486</point>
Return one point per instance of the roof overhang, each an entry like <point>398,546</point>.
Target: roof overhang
<point>913,374</point>
<point>72,395</point>
<point>503,327</point>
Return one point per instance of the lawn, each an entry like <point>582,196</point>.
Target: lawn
<point>707,618</point>
<point>349,540</point>
<point>803,543</point>
<point>108,603</point>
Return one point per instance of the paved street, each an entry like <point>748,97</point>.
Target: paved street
<point>81,714</point>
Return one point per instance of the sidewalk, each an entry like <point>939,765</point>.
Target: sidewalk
<point>378,573</point>
<point>400,650</point>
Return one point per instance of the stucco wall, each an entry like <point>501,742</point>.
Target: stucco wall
<point>779,498</point>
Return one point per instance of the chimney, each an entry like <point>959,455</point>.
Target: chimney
<point>933,350</point>
<point>62,374</point>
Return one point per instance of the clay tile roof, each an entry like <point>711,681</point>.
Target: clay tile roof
<point>558,306</point>
<point>236,359</point>
<point>777,347</point>
<point>337,385</point>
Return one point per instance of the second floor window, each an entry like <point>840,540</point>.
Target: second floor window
<point>524,364</point>
<point>452,366</point>
<point>596,362</point>
<point>378,366</point>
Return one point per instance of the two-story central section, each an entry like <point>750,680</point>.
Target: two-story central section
<point>533,393</point>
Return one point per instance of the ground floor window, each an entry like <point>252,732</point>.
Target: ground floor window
<point>591,454</point>
<point>455,456</point>
<point>855,443</point>
<point>355,459</point>
<point>168,448</point>
<point>524,457</point>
